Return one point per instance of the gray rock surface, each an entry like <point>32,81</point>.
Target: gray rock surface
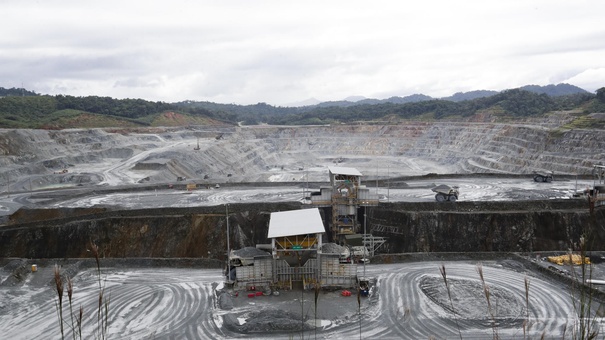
<point>33,159</point>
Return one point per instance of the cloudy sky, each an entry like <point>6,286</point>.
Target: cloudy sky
<point>283,52</point>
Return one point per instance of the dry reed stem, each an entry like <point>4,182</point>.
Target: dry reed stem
<point>449,294</point>
<point>526,323</point>
<point>59,288</point>
<point>70,291</point>
<point>486,292</point>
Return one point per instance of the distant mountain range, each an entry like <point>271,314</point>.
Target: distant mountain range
<point>20,108</point>
<point>550,90</point>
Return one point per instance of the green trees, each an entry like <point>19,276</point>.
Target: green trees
<point>601,95</point>
<point>32,110</point>
<point>16,92</point>
<point>129,108</point>
<point>27,107</point>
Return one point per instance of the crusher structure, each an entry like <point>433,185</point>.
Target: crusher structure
<point>296,259</point>
<point>344,196</point>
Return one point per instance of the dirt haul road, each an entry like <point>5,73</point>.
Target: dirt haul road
<point>471,189</point>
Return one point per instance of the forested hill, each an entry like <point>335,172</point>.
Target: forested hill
<point>59,112</point>
<point>509,105</point>
<point>20,108</point>
<point>16,92</point>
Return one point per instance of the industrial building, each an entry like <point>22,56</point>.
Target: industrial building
<point>296,259</point>
<point>297,237</point>
<point>344,196</point>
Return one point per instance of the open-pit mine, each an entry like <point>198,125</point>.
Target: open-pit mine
<point>456,222</point>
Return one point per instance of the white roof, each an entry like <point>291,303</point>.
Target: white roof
<point>344,171</point>
<point>295,222</point>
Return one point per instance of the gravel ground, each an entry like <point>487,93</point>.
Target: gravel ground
<point>408,301</point>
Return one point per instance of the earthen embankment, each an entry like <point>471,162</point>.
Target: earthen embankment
<point>409,227</point>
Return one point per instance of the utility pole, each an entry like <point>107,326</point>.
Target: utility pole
<point>576,181</point>
<point>376,174</point>
<point>306,189</point>
<point>365,221</point>
<point>388,183</point>
<point>228,249</point>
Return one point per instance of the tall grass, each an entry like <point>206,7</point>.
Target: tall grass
<point>526,322</point>
<point>490,310</point>
<point>75,320</point>
<point>103,305</point>
<point>449,295</point>
<point>585,326</point>
<point>59,306</point>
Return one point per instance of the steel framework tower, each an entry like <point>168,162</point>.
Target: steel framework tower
<point>344,195</point>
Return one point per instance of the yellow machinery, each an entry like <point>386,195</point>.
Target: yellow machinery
<point>568,259</point>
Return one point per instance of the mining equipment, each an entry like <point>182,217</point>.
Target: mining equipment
<point>344,196</point>
<point>543,176</point>
<point>298,258</point>
<point>446,193</point>
<point>597,193</point>
<point>360,254</point>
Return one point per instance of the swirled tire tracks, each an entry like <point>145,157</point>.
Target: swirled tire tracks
<point>409,301</point>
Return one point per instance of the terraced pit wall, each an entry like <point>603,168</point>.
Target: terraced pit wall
<point>247,153</point>
<point>201,232</point>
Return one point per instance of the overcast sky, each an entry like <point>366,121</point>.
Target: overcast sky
<point>283,52</point>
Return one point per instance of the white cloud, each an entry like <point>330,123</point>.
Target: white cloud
<point>590,80</point>
<point>281,52</point>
